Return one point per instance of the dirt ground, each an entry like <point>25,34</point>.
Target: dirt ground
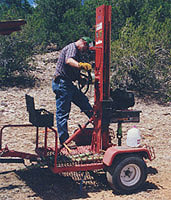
<point>18,182</point>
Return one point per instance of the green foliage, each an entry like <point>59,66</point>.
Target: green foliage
<point>141,56</point>
<point>140,50</point>
<point>60,22</point>
<point>14,9</point>
<point>14,56</point>
<point>80,22</point>
<point>15,49</point>
<point>48,19</point>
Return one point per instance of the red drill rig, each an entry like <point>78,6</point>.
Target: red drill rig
<point>125,167</point>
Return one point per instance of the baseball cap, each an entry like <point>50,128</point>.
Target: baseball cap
<point>88,40</point>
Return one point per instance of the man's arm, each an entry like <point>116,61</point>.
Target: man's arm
<point>73,63</point>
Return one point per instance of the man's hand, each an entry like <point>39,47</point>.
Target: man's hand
<point>85,66</point>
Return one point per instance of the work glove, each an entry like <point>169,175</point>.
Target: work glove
<point>85,66</point>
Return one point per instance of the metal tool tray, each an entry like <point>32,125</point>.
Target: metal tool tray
<point>125,116</point>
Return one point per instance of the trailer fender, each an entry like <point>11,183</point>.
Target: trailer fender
<point>112,152</point>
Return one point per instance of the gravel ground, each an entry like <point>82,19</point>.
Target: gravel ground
<point>18,182</point>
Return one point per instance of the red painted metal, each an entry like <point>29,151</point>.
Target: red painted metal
<point>73,136</point>
<point>5,152</point>
<point>10,125</point>
<point>100,141</point>
<point>102,68</point>
<point>7,27</point>
<point>76,168</point>
<point>113,151</point>
<point>14,154</point>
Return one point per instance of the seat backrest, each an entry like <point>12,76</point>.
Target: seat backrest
<point>30,103</point>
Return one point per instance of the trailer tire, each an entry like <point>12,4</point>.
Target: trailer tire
<point>127,175</point>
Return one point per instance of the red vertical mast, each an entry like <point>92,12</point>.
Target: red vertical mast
<point>102,69</point>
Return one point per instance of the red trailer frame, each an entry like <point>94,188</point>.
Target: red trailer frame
<point>98,152</point>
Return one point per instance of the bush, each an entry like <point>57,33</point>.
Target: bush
<point>141,58</point>
<point>14,56</point>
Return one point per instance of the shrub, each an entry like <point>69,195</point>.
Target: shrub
<point>141,58</point>
<point>14,56</point>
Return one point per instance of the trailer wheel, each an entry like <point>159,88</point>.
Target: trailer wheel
<point>128,174</point>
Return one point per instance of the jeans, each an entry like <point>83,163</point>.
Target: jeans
<point>66,92</point>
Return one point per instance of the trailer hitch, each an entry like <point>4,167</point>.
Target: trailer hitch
<point>11,160</point>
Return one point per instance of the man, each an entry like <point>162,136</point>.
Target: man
<point>68,71</point>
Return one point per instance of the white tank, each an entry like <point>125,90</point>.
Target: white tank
<point>133,137</point>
